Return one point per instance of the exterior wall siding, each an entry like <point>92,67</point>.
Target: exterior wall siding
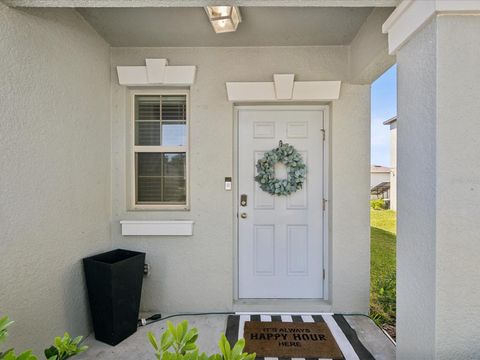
<point>438,181</point>
<point>416,224</point>
<point>55,161</point>
<point>197,273</point>
<point>458,187</point>
<point>64,129</point>
<point>377,178</point>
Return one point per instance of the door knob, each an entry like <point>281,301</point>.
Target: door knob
<point>243,215</point>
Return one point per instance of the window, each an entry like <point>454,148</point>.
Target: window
<point>161,150</point>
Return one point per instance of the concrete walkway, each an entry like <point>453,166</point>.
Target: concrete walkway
<point>137,347</point>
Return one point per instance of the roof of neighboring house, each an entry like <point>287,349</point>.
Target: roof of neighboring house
<point>379,169</point>
<point>390,121</point>
<point>380,188</point>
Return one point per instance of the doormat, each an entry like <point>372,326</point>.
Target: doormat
<point>290,340</point>
<point>298,337</point>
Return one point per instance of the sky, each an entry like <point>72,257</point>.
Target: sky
<point>384,107</point>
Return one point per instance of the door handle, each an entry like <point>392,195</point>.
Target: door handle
<point>243,215</point>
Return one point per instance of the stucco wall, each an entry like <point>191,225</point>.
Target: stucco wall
<point>416,227</point>
<point>55,177</point>
<point>350,208</point>
<point>438,188</point>
<point>369,56</point>
<point>196,273</point>
<point>458,187</point>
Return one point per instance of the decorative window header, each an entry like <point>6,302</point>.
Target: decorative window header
<point>156,72</point>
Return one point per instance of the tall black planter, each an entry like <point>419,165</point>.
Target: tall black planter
<point>114,283</point>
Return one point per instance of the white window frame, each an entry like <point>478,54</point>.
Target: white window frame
<point>134,149</point>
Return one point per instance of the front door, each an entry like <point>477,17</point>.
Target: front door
<point>280,238</point>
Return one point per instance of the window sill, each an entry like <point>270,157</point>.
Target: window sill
<point>159,208</point>
<point>157,227</point>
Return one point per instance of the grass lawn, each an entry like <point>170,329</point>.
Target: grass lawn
<point>383,268</point>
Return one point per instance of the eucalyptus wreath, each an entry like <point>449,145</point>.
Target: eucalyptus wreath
<point>296,170</point>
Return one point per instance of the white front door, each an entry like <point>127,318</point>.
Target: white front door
<point>280,238</point>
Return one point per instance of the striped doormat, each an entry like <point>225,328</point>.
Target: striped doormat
<point>346,338</point>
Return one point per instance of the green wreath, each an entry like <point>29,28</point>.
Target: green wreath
<point>296,170</point>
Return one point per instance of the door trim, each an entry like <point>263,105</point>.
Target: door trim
<point>326,191</point>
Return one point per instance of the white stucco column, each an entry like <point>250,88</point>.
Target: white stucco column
<point>437,44</point>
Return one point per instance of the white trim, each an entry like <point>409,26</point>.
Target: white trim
<point>395,14</point>
<point>236,200</point>
<point>283,88</point>
<point>283,84</point>
<point>157,72</point>
<point>132,149</point>
<point>316,90</point>
<point>326,193</point>
<point>179,75</point>
<point>325,218</point>
<point>157,227</point>
<point>250,91</point>
<point>411,15</point>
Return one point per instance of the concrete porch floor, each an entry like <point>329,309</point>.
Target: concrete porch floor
<point>210,327</point>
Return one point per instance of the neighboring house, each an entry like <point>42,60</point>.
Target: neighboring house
<point>393,161</point>
<point>98,128</point>
<point>380,182</point>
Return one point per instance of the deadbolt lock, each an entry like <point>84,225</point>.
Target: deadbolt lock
<point>243,215</point>
<point>243,200</point>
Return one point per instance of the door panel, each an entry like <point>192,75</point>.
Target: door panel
<point>280,238</point>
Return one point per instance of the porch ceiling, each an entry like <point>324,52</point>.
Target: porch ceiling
<point>261,26</point>
<point>196,3</point>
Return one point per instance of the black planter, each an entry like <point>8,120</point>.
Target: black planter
<point>114,283</point>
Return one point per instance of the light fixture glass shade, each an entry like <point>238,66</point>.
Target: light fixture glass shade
<point>224,18</point>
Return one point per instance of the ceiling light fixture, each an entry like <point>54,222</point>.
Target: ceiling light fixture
<point>224,18</point>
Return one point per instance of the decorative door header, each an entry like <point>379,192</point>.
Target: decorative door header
<point>283,88</point>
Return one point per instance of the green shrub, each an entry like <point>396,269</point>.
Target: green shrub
<point>10,355</point>
<point>4,324</point>
<point>63,348</point>
<point>383,305</point>
<point>181,341</point>
<point>377,204</point>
